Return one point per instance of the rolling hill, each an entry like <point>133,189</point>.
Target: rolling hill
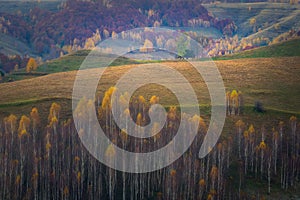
<point>273,81</point>
<point>73,61</point>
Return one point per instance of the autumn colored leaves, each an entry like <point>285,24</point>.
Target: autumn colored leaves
<point>234,102</point>
<point>262,152</point>
<point>50,162</point>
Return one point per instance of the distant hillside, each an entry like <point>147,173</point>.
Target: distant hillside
<point>271,19</point>
<point>47,30</point>
<point>16,6</point>
<point>12,46</point>
<point>283,49</point>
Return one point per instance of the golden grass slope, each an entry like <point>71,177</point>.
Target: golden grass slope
<point>273,81</point>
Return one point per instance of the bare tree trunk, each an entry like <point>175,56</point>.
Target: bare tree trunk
<point>269,173</point>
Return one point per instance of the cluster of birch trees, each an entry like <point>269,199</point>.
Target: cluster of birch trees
<point>41,161</point>
<point>269,155</point>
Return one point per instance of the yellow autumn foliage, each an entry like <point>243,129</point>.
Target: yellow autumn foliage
<point>54,111</point>
<point>106,101</point>
<point>11,120</point>
<point>78,177</point>
<point>22,133</point>
<point>24,124</point>
<point>172,172</point>
<point>110,151</point>
<point>154,100</point>
<point>251,129</point>
<point>31,65</point>
<point>139,119</point>
<point>34,114</point>
<point>18,179</point>
<point>202,182</point>
<point>262,145</point>
<point>48,146</point>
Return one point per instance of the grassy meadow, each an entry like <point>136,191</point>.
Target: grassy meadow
<point>273,81</point>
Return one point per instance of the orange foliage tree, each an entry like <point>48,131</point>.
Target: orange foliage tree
<point>31,65</point>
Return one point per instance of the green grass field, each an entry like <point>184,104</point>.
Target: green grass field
<point>73,61</point>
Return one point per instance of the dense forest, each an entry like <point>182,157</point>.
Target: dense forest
<point>75,21</point>
<point>41,161</point>
<point>10,63</point>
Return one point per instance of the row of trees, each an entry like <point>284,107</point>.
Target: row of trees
<point>39,162</point>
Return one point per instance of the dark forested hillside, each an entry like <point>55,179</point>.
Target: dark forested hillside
<point>48,31</point>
